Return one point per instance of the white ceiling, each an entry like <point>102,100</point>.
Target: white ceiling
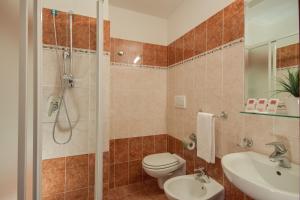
<point>158,8</point>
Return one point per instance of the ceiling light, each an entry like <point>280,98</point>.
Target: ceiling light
<point>137,59</point>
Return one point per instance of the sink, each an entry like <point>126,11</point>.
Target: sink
<point>188,188</point>
<point>261,179</point>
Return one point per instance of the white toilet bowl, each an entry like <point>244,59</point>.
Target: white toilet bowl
<point>164,166</point>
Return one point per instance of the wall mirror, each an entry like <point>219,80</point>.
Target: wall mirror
<point>271,46</point>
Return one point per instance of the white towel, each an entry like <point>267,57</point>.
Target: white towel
<point>206,137</point>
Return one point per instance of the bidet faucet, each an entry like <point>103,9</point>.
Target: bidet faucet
<point>201,175</point>
<point>279,154</point>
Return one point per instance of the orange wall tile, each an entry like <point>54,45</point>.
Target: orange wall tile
<point>189,44</point>
<point>179,49</point>
<point>151,54</point>
<point>171,54</point>
<point>215,31</point>
<point>200,38</point>
<point>53,176</point>
<point>65,177</point>
<point>84,31</point>
<point>70,177</point>
<point>128,154</point>
<point>161,56</point>
<point>106,35</point>
<point>93,34</point>
<point>288,56</point>
<point>225,26</point>
<point>131,172</point>
<point>233,21</point>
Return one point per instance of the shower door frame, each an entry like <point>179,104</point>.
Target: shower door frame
<point>37,138</point>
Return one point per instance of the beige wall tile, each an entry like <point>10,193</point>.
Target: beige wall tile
<point>80,102</point>
<point>138,101</point>
<point>215,82</point>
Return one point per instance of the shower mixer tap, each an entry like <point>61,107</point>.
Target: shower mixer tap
<point>54,105</point>
<point>69,80</point>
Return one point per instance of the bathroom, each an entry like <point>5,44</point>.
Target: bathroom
<point>161,99</point>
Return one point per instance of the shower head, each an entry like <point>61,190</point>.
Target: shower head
<point>54,12</point>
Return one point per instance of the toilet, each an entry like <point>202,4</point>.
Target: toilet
<point>164,166</point>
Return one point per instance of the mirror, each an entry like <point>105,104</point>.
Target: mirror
<point>271,45</point>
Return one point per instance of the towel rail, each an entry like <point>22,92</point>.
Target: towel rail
<point>222,115</point>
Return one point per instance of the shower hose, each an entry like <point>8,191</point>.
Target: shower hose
<point>63,86</point>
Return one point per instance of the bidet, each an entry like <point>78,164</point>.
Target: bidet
<point>189,187</point>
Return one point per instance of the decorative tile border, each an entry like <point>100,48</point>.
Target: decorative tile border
<point>138,66</point>
<point>62,48</point>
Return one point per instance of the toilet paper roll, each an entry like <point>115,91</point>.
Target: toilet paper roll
<point>189,144</point>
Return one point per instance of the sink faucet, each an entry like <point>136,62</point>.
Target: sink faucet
<point>201,175</point>
<point>279,154</point>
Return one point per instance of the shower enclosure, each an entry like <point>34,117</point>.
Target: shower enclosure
<point>68,101</point>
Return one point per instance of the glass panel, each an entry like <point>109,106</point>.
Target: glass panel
<point>68,99</point>
<point>257,72</point>
<point>9,49</point>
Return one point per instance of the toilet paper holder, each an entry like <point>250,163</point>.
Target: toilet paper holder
<point>193,137</point>
<point>190,143</point>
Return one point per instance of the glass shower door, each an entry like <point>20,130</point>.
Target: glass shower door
<point>68,99</point>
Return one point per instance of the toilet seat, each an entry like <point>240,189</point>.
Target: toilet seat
<point>164,166</point>
<point>160,161</point>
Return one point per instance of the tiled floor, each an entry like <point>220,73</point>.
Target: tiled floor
<point>139,191</point>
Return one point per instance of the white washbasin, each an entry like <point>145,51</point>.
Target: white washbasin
<point>187,188</point>
<point>261,179</point>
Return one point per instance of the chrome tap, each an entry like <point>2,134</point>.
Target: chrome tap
<point>201,175</point>
<point>279,154</point>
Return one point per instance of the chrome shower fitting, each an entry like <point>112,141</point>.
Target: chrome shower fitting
<point>54,12</point>
<point>66,54</point>
<point>54,105</point>
<point>69,81</point>
<point>66,81</point>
